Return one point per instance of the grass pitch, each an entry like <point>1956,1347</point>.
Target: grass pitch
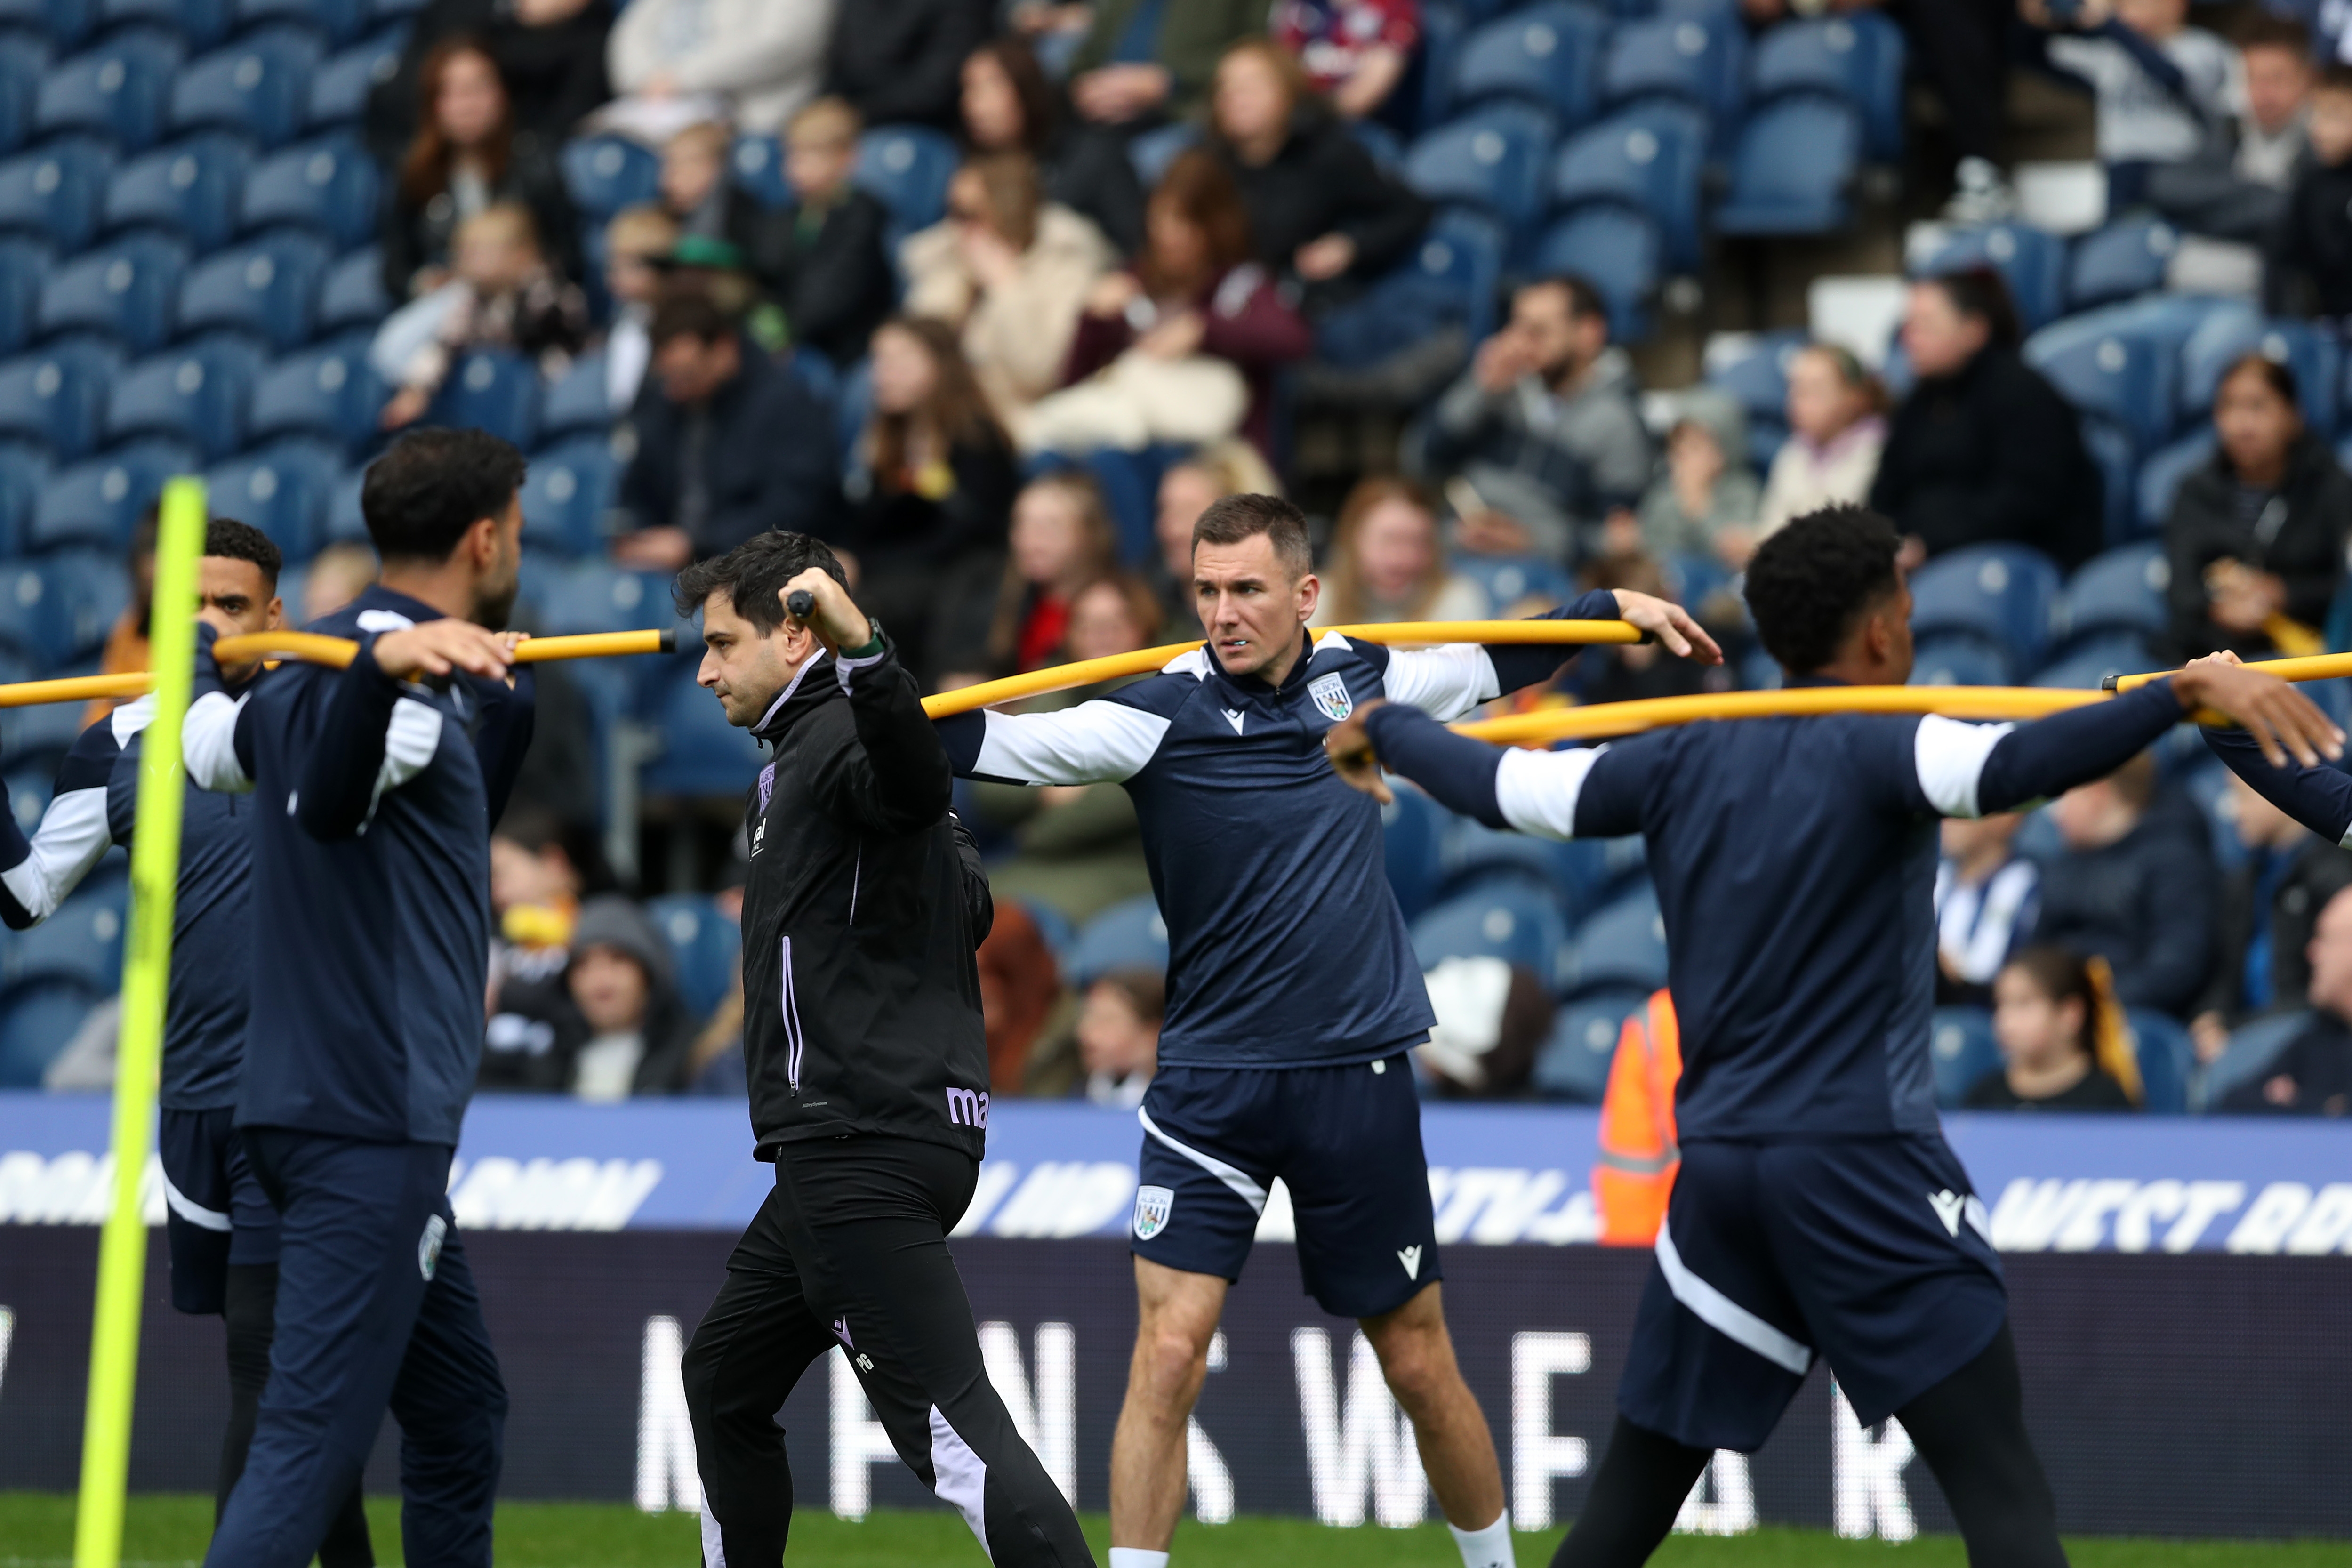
<point>36,1531</point>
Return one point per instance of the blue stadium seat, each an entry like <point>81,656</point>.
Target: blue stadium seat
<point>1385,146</point>
<point>347,524</point>
<point>1857,57</point>
<point>267,287</point>
<point>2226,337</point>
<point>1618,251</point>
<point>339,21</point>
<point>703,942</point>
<point>1413,833</point>
<point>1492,159</point>
<point>2121,591</point>
<point>116,89</point>
<point>199,22</point>
<point>259,85</point>
<point>35,625</point>
<point>2087,665</point>
<point>23,471</point>
<point>566,494</point>
<point>81,943</point>
<point>1427,89</point>
<point>1591,874</point>
<point>2166,1060</point>
<point>124,291</point>
<point>1960,662</point>
<point>31,788</point>
<point>595,596</point>
<point>1509,578</point>
<point>2031,261</point>
<point>1960,1044</point>
<point>1150,152</point>
<point>57,191</point>
<point>2160,474</point>
<point>45,731</point>
<point>2252,1048</point>
<point>1793,168</point>
<point>23,264</point>
<point>2108,365</point>
<point>1622,946</point>
<point>327,186</point>
<point>188,188</point>
<point>23,62</point>
<point>1548,53</point>
<point>1574,1063</point>
<point>89,589</point>
<point>196,394</point>
<point>57,395</point>
<point>1128,935</point>
<point>578,403</point>
<point>759,165</point>
<point>340,87</point>
<point>1651,158</point>
<point>495,390</point>
<point>1754,369</point>
<point>353,293</point>
<point>907,168</point>
<point>702,753</point>
<point>1451,279</point>
<point>282,489</point>
<point>1474,857</point>
<point>1513,920</point>
<point>327,390</point>
<point>606,174</point>
<point>36,1023</point>
<point>1698,59</point>
<point>2121,261</point>
<point>2001,593</point>
<point>2117,457</point>
<point>63,23</point>
<point>96,503</point>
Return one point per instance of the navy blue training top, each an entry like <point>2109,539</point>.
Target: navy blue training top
<point>2320,798</point>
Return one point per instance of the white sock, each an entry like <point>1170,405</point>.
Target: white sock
<point>1136,1557</point>
<point>1487,1548</point>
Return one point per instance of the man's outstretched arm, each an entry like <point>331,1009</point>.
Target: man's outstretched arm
<point>2320,798</point>
<point>1450,681</point>
<point>1551,794</point>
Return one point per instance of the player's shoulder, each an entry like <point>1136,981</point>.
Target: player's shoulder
<point>1332,652</point>
<point>1164,695</point>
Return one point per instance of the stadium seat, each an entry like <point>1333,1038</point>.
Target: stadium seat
<point>1509,578</point>
<point>2252,1048</point>
<point>196,394</point>
<point>23,62</point>
<point>1472,857</point>
<point>1623,945</point>
<point>2160,474</point>
<point>2117,457</point>
<point>1618,251</point>
<point>328,186</point>
<point>1130,935</point>
<point>1412,833</point>
<point>759,164</point>
<point>1960,662</point>
<point>188,188</point>
<point>1546,54</point>
<point>95,503</point>
<point>23,471</point>
<point>57,395</point>
<point>30,789</point>
<point>907,168</point>
<point>2001,593</point>
<point>259,86</point>
<point>2030,261</point>
<point>63,23</point>
<point>1857,56</point>
<point>2121,261</point>
<point>567,493</point>
<point>81,943</point>
<point>2225,337</point>
<point>578,403</point>
<point>1961,1048</point>
<point>267,287</point>
<point>34,623</point>
<point>23,264</point>
<point>2108,365</point>
<point>2087,665</point>
<point>1451,280</point>
<point>1650,158</point>
<point>1426,91</point>
<point>339,21</point>
<point>596,597</point>
<point>606,174</point>
<point>123,290</point>
<point>37,1024</point>
<point>1591,874</point>
<point>1574,1063</point>
<point>1492,159</point>
<point>1753,368</point>
<point>1513,920</point>
<point>2166,1060</point>
<point>90,590</point>
<point>116,89</point>
<point>340,87</point>
<point>703,942</point>
<point>702,754</point>
<point>56,191</point>
<point>1793,168</point>
<point>327,390</point>
<point>2121,591</point>
<point>352,292</point>
<point>200,23</point>
<point>496,390</point>
<point>1385,146</point>
<point>1698,59</point>
<point>1150,152</point>
<point>282,489</point>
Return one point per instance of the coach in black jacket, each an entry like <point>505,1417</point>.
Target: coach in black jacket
<point>868,1067</point>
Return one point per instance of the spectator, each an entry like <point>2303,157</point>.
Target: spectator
<point>2134,886</point>
<point>1319,206</point>
<point>1143,61</point>
<point>2311,252</point>
<point>2163,86</point>
<point>1062,540</point>
<point>464,158</point>
<point>697,192</point>
<point>1119,1036</point>
<point>2064,1042</point>
<point>1354,52</point>
<point>1023,1002</point>
<point>502,295</point>
<point>1986,898</point>
<point>832,268</point>
<point>1641,671</point>
<point>1008,270</point>
<point>1009,107</point>
<point>1211,473</point>
<point>1984,449</point>
<point>1837,428</point>
<point>1182,345</point>
<point>898,61</point>
<point>126,640</point>
<point>336,576</point>
<point>2236,187</point>
<point>535,890</point>
<point>635,243</point>
<point>1705,504</point>
<point>2269,906</point>
<point>728,444</point>
<point>1386,562</point>
<point>932,491</point>
<point>1544,424</point>
<point>1493,1020</point>
<point>2312,1075</point>
<point>549,53</point>
<point>747,62</point>
<point>2257,534</point>
<point>612,1025</point>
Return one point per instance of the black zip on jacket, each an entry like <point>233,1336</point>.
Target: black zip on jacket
<point>861,997</point>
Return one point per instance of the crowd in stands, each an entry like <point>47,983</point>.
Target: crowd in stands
<point>997,297</point>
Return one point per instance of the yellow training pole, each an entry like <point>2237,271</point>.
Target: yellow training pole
<point>1604,719</point>
<point>2317,667</point>
<point>146,976</point>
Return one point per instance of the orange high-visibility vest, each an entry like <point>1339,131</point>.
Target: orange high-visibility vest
<point>1634,1175</point>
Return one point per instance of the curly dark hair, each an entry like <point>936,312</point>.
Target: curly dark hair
<point>1813,582</point>
<point>230,539</point>
<point>752,576</point>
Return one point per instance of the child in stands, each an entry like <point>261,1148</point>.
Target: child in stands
<point>504,295</point>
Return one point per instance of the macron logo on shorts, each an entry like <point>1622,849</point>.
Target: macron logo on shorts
<point>1951,1207</point>
<point>1410,1257</point>
<point>968,1108</point>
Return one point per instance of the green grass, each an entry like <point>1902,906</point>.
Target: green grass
<point>36,1531</point>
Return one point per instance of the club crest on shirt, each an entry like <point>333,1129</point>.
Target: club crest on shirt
<point>1152,1207</point>
<point>1331,699</point>
<point>429,1247</point>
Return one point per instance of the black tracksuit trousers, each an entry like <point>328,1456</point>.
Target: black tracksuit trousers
<point>850,1248</point>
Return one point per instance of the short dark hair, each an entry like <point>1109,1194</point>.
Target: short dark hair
<point>2334,77</point>
<point>2277,374</point>
<point>421,497</point>
<point>234,541</point>
<point>1983,293</point>
<point>689,312</point>
<point>1811,583</point>
<point>2270,30</point>
<point>1229,519</point>
<point>1584,300</point>
<point>752,576</point>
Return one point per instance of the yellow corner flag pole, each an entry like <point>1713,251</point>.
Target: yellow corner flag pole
<point>146,974</point>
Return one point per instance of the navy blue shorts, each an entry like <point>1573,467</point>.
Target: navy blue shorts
<point>1346,1142</point>
<point>216,1211</point>
<point>1871,1253</point>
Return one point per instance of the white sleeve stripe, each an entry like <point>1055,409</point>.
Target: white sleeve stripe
<point>1095,743</point>
<point>1444,682</point>
<point>1950,759</point>
<point>73,837</point>
<point>1538,791</point>
<point>409,742</point>
<point>131,718</point>
<point>208,743</point>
